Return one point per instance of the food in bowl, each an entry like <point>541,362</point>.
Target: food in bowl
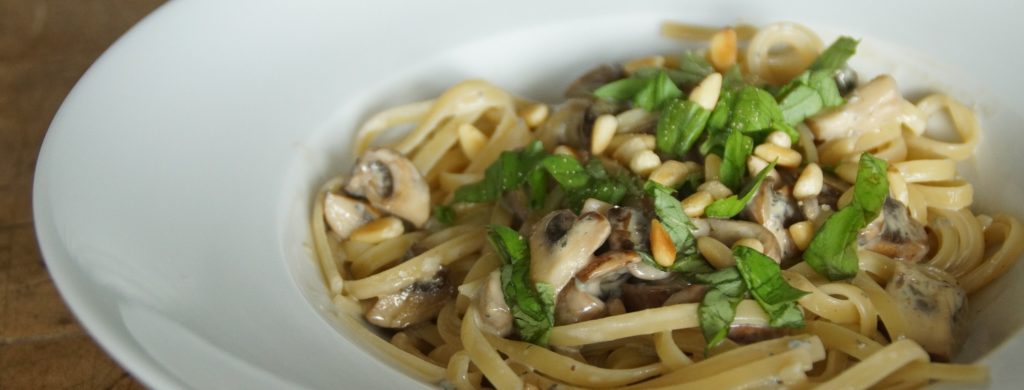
<point>755,213</point>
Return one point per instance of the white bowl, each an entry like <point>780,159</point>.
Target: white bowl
<point>172,192</point>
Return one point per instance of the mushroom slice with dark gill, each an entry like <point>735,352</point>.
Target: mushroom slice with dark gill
<point>344,214</point>
<point>934,306</point>
<point>638,295</point>
<point>629,229</point>
<point>391,183</point>
<point>561,244</point>
<point>565,126</point>
<point>495,315</point>
<point>417,303</point>
<point>895,234</point>
<point>773,206</point>
<point>583,299</point>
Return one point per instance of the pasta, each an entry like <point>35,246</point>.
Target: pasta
<point>744,216</point>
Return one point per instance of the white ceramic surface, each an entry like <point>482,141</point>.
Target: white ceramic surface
<point>173,188</point>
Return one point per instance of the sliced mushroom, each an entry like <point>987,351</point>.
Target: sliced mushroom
<point>517,203</point>
<point>562,244</point>
<point>417,303</point>
<point>565,126</point>
<point>641,296</point>
<point>644,271</point>
<point>592,80</point>
<point>629,229</point>
<point>868,107</point>
<point>728,231</point>
<point>846,80</point>
<point>819,208</point>
<point>773,206</point>
<point>495,316</point>
<point>934,306</point>
<point>895,234</point>
<point>391,183</point>
<point>749,334</point>
<point>344,214</point>
<point>583,299</point>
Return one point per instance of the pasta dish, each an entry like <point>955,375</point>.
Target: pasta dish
<point>751,214</point>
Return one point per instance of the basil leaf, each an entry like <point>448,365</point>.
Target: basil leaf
<point>532,305</point>
<point>715,314</point>
<point>729,207</point>
<point>444,214</point>
<point>693,68</point>
<point>871,187</point>
<point>836,55</point>
<point>679,126</point>
<point>566,170</point>
<point>621,90</point>
<point>799,103</point>
<point>658,91</point>
<point>825,85</point>
<point>833,250</point>
<point>753,110</point>
<point>672,217</point>
<point>538,183</point>
<point>734,162</point>
<point>764,280</point>
<point>728,280</point>
<point>732,79</point>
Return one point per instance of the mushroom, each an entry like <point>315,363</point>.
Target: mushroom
<point>868,107</point>
<point>934,306</point>
<point>582,299</point>
<point>589,82</point>
<point>728,231</point>
<point>417,303</point>
<point>819,208</point>
<point>562,244</point>
<point>644,271</point>
<point>344,214</point>
<point>773,206</point>
<point>641,296</point>
<point>391,183</point>
<point>565,126</point>
<point>495,316</point>
<point>749,334</point>
<point>895,234</point>
<point>846,80</point>
<point>629,229</point>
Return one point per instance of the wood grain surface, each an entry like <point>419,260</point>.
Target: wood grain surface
<point>45,46</point>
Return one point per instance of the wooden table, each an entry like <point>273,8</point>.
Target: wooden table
<point>45,46</point>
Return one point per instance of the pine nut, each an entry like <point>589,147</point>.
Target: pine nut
<point>809,184</point>
<point>845,198</point>
<point>379,230</point>
<point>602,133</point>
<point>722,51</point>
<point>566,151</point>
<point>534,114</point>
<point>847,171</point>
<point>716,189</point>
<point>595,205</point>
<point>706,93</point>
<point>781,139</point>
<point>784,157</point>
<point>715,252</point>
<point>633,146</point>
<point>662,248</point>
<point>712,164</point>
<point>644,62</point>
<point>749,242</point>
<point>802,232</point>
<point>672,173</point>
<point>631,120</point>
<point>471,139</point>
<point>695,204</point>
<point>644,163</point>
<point>756,164</point>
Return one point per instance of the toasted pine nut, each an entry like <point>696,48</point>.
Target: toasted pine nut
<point>722,51</point>
<point>644,163</point>
<point>712,164</point>
<point>716,189</point>
<point>662,247</point>
<point>534,114</point>
<point>802,232</point>
<point>602,133</point>
<point>847,171</point>
<point>471,139</point>
<point>809,184</point>
<point>784,157</point>
<point>633,119</point>
<point>379,230</point>
<point>749,242</point>
<point>566,151</point>
<point>845,198</point>
<point>781,139</point>
<point>706,93</point>
<point>695,204</point>
<point>756,164</point>
<point>715,252</point>
<point>595,205</point>
<point>643,62</point>
<point>451,181</point>
<point>672,173</point>
<point>633,146</point>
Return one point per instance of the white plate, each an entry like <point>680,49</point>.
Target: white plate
<point>172,192</point>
